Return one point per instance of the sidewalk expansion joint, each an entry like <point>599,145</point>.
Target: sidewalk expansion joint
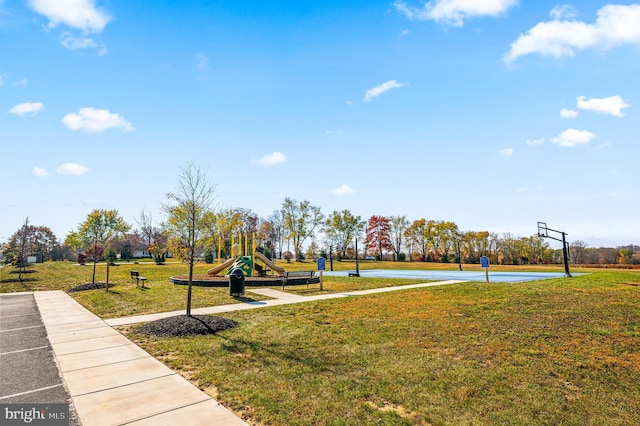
<point>108,363</point>
<point>173,373</point>
<point>168,411</point>
<point>87,350</point>
<point>73,331</point>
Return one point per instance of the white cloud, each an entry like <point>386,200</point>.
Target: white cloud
<point>563,11</point>
<point>93,120</point>
<point>538,141</point>
<point>615,25</point>
<point>272,159</point>
<point>72,169</point>
<point>74,43</point>
<point>39,172</point>
<point>613,105</point>
<point>379,90</point>
<point>568,113</point>
<point>573,137</point>
<point>79,14</point>
<point>21,83</point>
<point>602,146</point>
<point>455,12</point>
<point>26,108</point>
<point>342,190</point>
<point>506,152</point>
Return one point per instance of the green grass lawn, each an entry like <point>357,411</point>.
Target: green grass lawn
<point>159,294</point>
<point>562,351</point>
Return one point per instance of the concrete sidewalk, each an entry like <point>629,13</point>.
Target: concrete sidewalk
<point>112,381</point>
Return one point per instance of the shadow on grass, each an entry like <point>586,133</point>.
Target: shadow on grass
<point>249,300</point>
<point>89,286</point>
<point>17,280</point>
<point>239,345</point>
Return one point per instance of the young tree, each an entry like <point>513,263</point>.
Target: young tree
<point>300,221</point>
<point>99,228</point>
<point>379,235</point>
<point>398,225</point>
<point>146,231</point>
<point>248,221</point>
<point>445,233</point>
<point>577,251</point>
<point>278,232</point>
<point>218,227</point>
<point>312,250</point>
<point>341,228</point>
<point>188,205</point>
<point>30,240</point>
<point>418,235</point>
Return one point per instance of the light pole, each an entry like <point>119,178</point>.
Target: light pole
<point>543,231</point>
<point>331,257</point>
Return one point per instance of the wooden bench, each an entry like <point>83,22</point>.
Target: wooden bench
<point>136,276</point>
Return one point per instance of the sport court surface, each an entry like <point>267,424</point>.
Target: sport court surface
<point>498,276</point>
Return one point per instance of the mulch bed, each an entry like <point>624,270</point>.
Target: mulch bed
<point>183,325</point>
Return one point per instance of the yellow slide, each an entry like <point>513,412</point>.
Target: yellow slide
<point>269,263</point>
<point>221,267</point>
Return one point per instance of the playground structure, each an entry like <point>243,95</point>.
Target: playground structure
<point>247,258</point>
<point>249,266</point>
<point>257,268</point>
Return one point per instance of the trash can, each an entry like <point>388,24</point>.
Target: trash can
<point>236,283</point>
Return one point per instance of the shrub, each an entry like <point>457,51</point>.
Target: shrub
<point>110,256</point>
<point>208,256</point>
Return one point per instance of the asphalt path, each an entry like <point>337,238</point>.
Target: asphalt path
<point>29,373</point>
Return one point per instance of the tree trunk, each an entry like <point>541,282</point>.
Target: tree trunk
<point>192,254</point>
<point>95,261</point>
<point>106,286</point>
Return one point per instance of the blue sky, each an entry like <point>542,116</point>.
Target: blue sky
<point>494,114</point>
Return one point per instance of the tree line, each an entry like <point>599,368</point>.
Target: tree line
<point>193,228</point>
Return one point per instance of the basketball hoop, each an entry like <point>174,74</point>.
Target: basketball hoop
<point>543,232</point>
